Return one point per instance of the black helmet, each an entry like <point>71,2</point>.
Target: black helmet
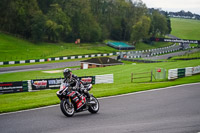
<point>67,73</point>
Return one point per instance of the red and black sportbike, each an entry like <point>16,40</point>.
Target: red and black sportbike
<point>72,101</point>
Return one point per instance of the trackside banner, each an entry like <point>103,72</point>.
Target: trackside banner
<point>88,79</point>
<point>13,87</point>
<point>40,84</point>
<point>175,40</point>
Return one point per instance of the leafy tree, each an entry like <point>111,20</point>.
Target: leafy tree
<point>18,16</point>
<point>53,30</point>
<point>38,27</point>
<point>158,24</point>
<point>58,24</point>
<point>141,29</point>
<point>83,23</point>
<point>89,20</point>
<point>45,5</point>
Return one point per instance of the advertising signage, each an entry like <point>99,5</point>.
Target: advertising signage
<point>88,79</point>
<point>54,83</point>
<point>40,84</point>
<point>12,87</point>
<point>175,40</point>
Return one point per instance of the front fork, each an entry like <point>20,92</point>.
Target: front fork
<point>70,101</point>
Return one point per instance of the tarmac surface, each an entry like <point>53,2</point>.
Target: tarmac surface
<point>167,110</point>
<point>38,67</point>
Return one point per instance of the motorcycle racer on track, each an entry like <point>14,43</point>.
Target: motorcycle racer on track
<point>74,95</point>
<point>74,82</point>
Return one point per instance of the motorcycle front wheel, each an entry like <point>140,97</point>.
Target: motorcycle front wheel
<point>67,108</point>
<point>94,108</point>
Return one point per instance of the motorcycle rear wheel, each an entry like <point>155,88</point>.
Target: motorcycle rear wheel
<point>94,108</point>
<point>67,108</point>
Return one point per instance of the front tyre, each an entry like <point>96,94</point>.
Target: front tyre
<point>67,108</point>
<point>94,108</point>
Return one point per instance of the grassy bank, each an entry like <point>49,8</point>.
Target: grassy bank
<point>13,48</point>
<point>16,49</point>
<point>185,28</point>
<point>122,83</point>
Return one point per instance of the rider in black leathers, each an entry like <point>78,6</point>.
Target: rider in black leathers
<point>74,82</point>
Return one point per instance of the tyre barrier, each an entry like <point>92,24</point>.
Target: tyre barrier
<point>182,72</point>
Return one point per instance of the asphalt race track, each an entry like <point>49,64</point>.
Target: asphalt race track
<point>38,67</point>
<point>166,56</point>
<point>168,110</point>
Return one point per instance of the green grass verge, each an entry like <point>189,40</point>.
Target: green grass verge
<point>122,72</point>
<point>185,28</point>
<point>122,83</point>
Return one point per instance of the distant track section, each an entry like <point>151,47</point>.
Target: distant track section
<point>38,67</point>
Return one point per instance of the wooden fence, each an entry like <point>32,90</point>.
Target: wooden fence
<point>142,76</point>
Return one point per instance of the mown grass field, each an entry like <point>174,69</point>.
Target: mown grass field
<point>122,83</point>
<point>185,28</point>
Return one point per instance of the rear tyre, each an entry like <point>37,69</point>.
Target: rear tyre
<point>94,108</point>
<point>67,108</point>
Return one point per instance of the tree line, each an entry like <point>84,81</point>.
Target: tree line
<point>88,20</point>
<point>184,14</point>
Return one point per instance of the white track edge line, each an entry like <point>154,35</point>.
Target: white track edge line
<point>132,93</point>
